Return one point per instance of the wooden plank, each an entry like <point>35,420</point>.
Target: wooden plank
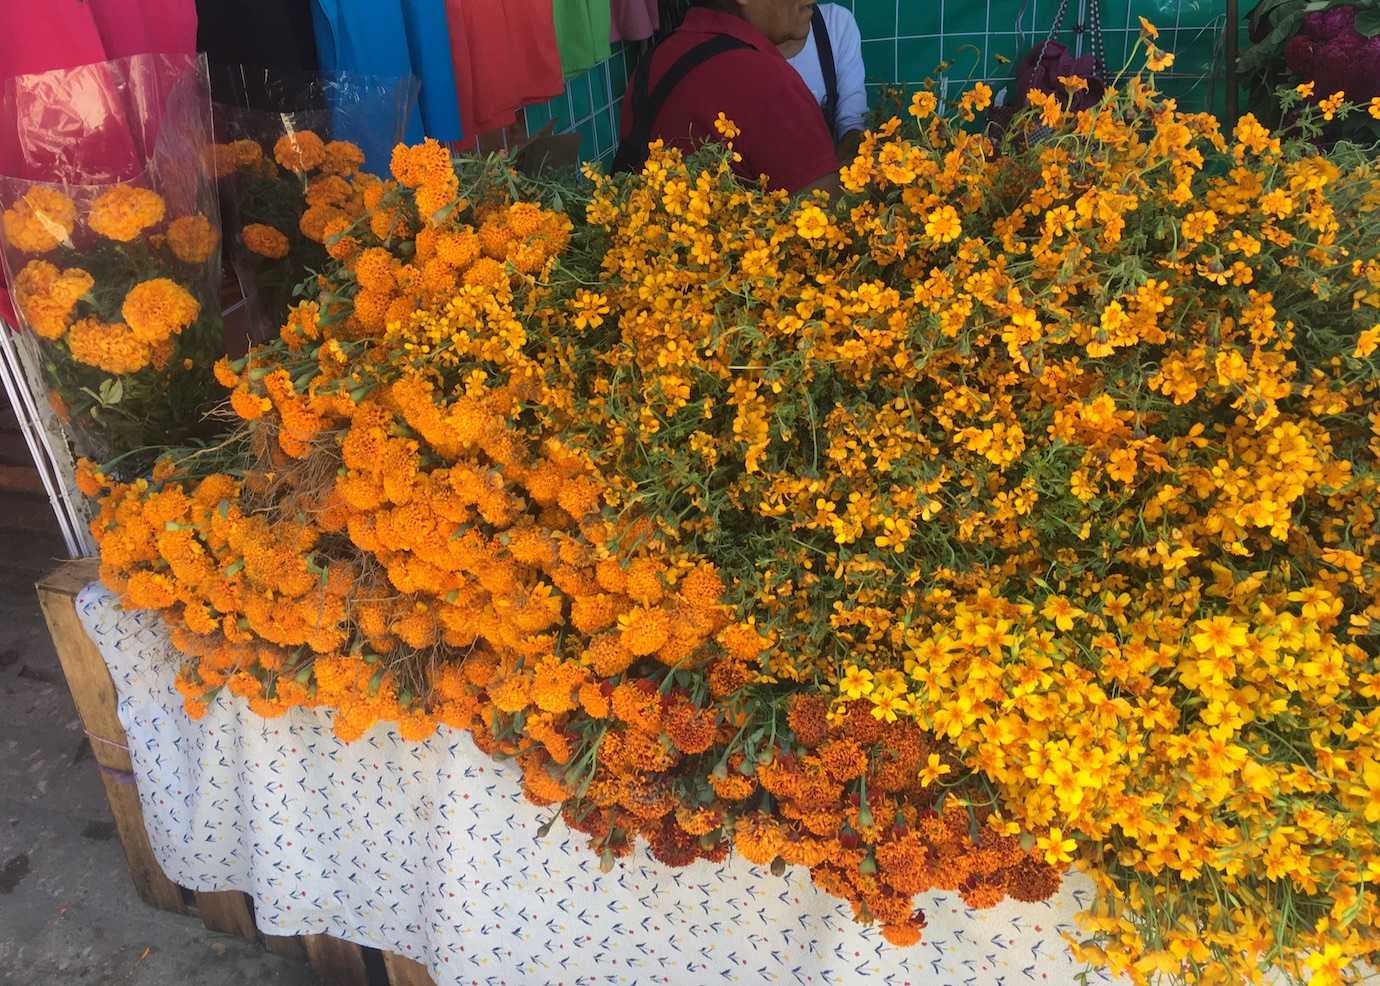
<point>405,972</point>
<point>88,679</point>
<point>226,911</point>
<point>339,963</point>
<point>288,946</point>
<point>151,883</point>
<point>20,479</point>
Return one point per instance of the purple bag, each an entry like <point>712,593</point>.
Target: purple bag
<point>1041,68</point>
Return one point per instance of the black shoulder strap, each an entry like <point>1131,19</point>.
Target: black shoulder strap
<point>825,48</point>
<point>632,152</point>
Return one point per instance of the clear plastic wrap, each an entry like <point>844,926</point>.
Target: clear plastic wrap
<point>285,142</point>
<point>110,238</point>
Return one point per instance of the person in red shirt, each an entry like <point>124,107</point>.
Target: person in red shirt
<point>724,59</point>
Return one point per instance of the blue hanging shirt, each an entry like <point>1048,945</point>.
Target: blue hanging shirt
<point>394,38</point>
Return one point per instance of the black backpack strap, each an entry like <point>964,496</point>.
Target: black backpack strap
<point>632,151</point>
<point>825,48</point>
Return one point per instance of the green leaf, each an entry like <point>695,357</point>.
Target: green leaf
<point>1368,22</point>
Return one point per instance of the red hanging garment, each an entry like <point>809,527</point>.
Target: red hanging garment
<point>505,57</point>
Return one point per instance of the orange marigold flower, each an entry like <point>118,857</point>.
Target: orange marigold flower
<point>47,297</point>
<point>328,190</point>
<point>644,581</point>
<point>459,248</point>
<point>341,157</point>
<point>758,838</point>
<point>495,239</point>
<point>434,199</point>
<point>247,405</point>
<point>690,728</point>
<point>303,325</point>
<point>90,480</point>
<point>315,220</point>
<point>192,238</point>
<point>150,590</point>
<point>611,575</point>
<point>637,703</point>
<point>702,587</point>
<point>416,726</point>
<point>902,935</point>
<point>123,212</point>
<point>644,630</point>
<point>844,759</point>
<point>808,719</point>
<point>374,270</point>
<point>731,785</point>
<point>727,676</point>
<point>40,220</point>
<point>300,151</point>
<point>590,614</point>
<point>158,309</point>
<point>742,641</point>
<point>336,239</point>
<point>594,701</point>
<point>579,497</point>
<point>426,163</point>
<point>265,241</point>
<point>486,273</point>
<point>608,656</point>
<point>113,348</point>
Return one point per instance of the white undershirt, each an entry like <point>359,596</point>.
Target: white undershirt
<point>848,66</point>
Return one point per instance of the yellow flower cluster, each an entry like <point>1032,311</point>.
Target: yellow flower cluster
<point>1012,511</point>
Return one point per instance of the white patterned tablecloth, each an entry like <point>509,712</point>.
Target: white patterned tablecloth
<point>429,850</point>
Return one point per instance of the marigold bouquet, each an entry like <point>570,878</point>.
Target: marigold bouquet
<point>1014,510</point>
<point>288,145</point>
<point>115,278</point>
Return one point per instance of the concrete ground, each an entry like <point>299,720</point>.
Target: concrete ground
<point>69,915</point>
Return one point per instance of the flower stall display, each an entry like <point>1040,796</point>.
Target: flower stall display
<point>287,145</point>
<point>1012,511</point>
<point>1334,46</point>
<point>112,248</point>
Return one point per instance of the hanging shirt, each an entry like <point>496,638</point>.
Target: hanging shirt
<point>634,20</point>
<point>275,34</point>
<point>505,56</point>
<point>583,28</point>
<point>848,67</point>
<point>371,37</point>
<point>783,135</point>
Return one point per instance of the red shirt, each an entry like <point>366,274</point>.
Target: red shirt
<point>784,135</point>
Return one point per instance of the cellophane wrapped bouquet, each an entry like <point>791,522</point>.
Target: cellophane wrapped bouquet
<point>111,245</point>
<point>287,145</point>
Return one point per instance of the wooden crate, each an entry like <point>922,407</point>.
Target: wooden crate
<point>336,962</point>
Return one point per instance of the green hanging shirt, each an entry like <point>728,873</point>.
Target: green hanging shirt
<point>582,33</point>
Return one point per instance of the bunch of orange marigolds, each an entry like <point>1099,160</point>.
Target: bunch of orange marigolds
<point>1018,508</point>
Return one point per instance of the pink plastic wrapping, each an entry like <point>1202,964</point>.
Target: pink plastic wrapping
<point>110,238</point>
<point>280,136</point>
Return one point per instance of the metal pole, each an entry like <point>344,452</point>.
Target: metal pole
<point>1233,30</point>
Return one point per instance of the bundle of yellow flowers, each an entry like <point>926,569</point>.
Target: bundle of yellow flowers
<point>284,193</point>
<point>119,294</point>
<point>1017,509</point>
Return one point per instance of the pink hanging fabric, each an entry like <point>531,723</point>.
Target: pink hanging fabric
<point>634,20</point>
<point>136,27</point>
